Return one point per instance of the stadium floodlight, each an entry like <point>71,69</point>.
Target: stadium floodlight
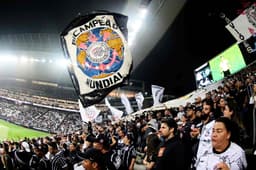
<point>7,58</point>
<point>136,25</point>
<point>36,60</point>
<point>43,60</point>
<point>142,12</point>
<point>24,59</point>
<point>63,62</point>
<point>31,59</point>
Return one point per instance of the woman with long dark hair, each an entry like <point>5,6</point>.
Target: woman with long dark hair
<point>239,133</point>
<point>152,148</point>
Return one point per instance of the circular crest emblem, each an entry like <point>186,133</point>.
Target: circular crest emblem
<point>100,52</point>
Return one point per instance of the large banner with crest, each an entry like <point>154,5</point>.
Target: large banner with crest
<point>96,45</point>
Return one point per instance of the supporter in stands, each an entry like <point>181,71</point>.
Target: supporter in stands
<point>253,111</point>
<point>88,143</point>
<point>180,113</point>
<point>199,112</point>
<point>93,160</point>
<point>39,161</point>
<point>239,135</point>
<point>72,157</point>
<point>121,134</point>
<point>56,158</point>
<point>6,161</point>
<point>208,99</point>
<point>141,142</point>
<point>168,113</point>
<point>182,125</point>
<point>23,156</point>
<point>150,127</point>
<point>110,156</point>
<point>221,103</point>
<point>198,102</point>
<point>171,154</point>
<point>203,132</point>
<point>131,128</point>
<point>128,153</point>
<point>252,106</point>
<point>151,117</point>
<point>224,154</point>
<point>159,116</point>
<point>37,155</point>
<point>111,132</point>
<point>152,148</point>
<point>2,160</point>
<point>192,121</point>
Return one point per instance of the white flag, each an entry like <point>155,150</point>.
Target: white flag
<point>99,119</point>
<point>116,114</point>
<point>126,104</point>
<point>88,113</point>
<point>157,94</point>
<point>98,53</point>
<point>244,26</point>
<point>139,99</point>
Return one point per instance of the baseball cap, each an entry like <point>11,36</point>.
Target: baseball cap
<point>190,107</point>
<point>94,155</point>
<point>102,140</point>
<point>153,124</point>
<point>26,146</point>
<point>90,138</point>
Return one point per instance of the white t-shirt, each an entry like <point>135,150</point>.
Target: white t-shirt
<point>205,140</point>
<point>234,157</point>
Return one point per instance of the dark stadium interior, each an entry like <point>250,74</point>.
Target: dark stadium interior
<point>176,39</point>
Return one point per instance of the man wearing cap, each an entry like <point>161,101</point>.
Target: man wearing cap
<point>23,156</point>
<point>93,160</point>
<point>111,157</point>
<point>171,154</point>
<point>192,121</point>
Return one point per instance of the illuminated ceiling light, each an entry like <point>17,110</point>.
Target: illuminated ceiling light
<point>136,25</point>
<point>24,59</point>
<point>50,61</point>
<point>7,58</point>
<point>142,12</point>
<point>63,62</point>
<point>36,60</point>
<point>43,60</point>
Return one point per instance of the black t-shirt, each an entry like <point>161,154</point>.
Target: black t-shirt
<point>171,155</point>
<point>112,160</point>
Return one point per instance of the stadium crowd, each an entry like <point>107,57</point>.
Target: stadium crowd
<point>45,119</point>
<point>213,132</point>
